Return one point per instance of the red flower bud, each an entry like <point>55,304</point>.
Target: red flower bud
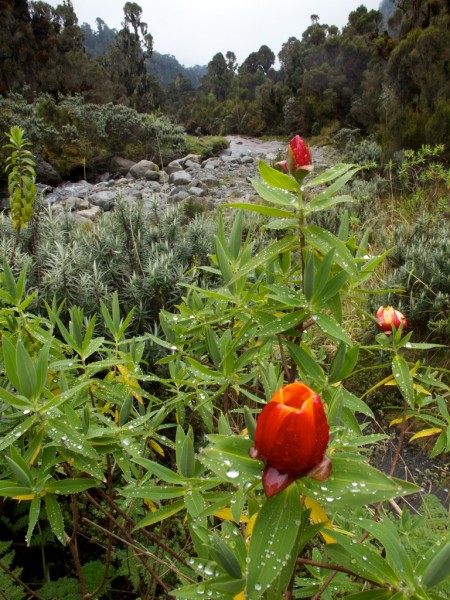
<point>300,153</point>
<point>387,317</point>
<point>298,158</point>
<point>291,437</point>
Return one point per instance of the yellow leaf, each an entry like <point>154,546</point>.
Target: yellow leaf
<point>379,384</point>
<point>318,515</point>
<point>225,514</point>
<point>426,433</point>
<point>240,596</point>
<point>397,421</point>
<point>151,505</point>
<point>156,447</point>
<point>250,525</point>
<point>130,381</point>
<point>27,496</point>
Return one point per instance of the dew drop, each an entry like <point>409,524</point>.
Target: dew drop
<point>232,474</point>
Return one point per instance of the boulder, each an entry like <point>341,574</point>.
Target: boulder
<point>180,178</point>
<point>140,169</point>
<point>121,165</point>
<point>46,173</point>
<point>105,200</point>
<point>90,213</point>
<point>151,175</point>
<point>174,167</point>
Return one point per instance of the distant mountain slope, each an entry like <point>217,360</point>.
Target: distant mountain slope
<point>165,68</point>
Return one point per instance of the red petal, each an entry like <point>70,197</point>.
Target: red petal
<point>273,481</point>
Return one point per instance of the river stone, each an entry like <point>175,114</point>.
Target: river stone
<point>121,165</point>
<point>178,195</point>
<point>180,178</point>
<point>151,175</point>
<point>46,173</point>
<point>196,191</point>
<point>140,169</point>
<point>90,213</point>
<point>81,204</point>
<point>79,189</point>
<point>193,158</point>
<point>174,167</point>
<point>106,200</point>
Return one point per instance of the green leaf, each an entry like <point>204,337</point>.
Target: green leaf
<point>19,467</point>
<point>70,438</point>
<point>195,503</point>
<point>322,275</point>
<point>337,363</point>
<point>319,204</point>
<point>11,489</point>
<point>159,471</point>
<point>286,244</point>
<point>223,587</point>
<point>250,422</point>
<point>262,209</point>
<point>309,274</point>
<point>55,518</point>
<point>125,410</point>
<point>70,486</point>
<point>282,324</point>
<point>212,345</point>
<point>362,559</point>
<point>438,569</point>
<point>42,368</point>
<point>163,513</point>
<point>330,174</point>
<point>308,367</point>
<point>19,402</point>
<point>324,241</point>
<point>186,464</point>
<point>33,516</point>
<point>273,539</point>
<point>234,243</point>
<point>331,288</point>
<point>224,556</point>
<point>10,281</point>
<point>346,487</point>
<point>154,492</point>
<point>331,328</point>
<point>275,195</point>
<point>17,432</point>
<point>277,179</point>
<point>228,458</point>
<point>381,594</point>
<point>9,356</point>
<point>281,224</point>
<point>223,259</point>
<point>403,379</point>
<point>26,371</point>
<point>396,555</point>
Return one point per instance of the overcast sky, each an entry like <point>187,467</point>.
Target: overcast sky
<point>194,30</point>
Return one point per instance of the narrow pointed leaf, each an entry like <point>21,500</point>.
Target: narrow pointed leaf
<point>273,539</point>
<point>55,518</point>
<point>277,179</point>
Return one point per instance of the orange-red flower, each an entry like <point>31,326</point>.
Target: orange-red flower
<point>298,157</point>
<point>387,317</point>
<point>291,437</point>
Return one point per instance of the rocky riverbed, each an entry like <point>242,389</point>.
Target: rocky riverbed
<point>209,182</point>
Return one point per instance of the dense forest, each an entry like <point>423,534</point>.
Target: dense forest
<point>385,73</point>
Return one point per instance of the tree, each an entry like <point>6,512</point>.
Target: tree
<point>218,77</point>
<point>127,59</point>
